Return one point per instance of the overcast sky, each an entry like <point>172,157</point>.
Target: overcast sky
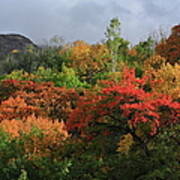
<point>86,19</point>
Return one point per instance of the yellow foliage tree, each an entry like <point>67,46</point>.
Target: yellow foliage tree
<point>88,59</point>
<point>169,77</point>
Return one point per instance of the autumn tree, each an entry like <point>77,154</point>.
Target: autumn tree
<point>170,48</point>
<point>88,59</point>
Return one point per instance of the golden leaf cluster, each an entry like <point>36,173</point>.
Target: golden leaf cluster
<point>125,143</point>
<point>154,63</point>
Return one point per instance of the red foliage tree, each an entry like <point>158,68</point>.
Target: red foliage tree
<point>170,48</point>
<point>126,105</point>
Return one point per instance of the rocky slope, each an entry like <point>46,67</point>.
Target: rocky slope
<point>10,42</point>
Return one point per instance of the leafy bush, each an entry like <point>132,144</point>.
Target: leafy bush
<point>66,78</point>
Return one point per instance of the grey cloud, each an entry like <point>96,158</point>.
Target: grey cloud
<point>86,19</point>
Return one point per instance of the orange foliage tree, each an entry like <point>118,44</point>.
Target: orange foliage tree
<point>48,134</point>
<point>16,108</point>
<point>43,99</point>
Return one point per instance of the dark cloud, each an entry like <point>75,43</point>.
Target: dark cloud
<point>86,19</point>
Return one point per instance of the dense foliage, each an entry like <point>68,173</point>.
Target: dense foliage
<point>170,48</point>
<point>92,111</point>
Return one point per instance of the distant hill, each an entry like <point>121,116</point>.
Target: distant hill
<point>10,42</point>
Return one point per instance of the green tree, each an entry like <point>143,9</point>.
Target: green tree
<point>145,49</point>
<point>115,43</point>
